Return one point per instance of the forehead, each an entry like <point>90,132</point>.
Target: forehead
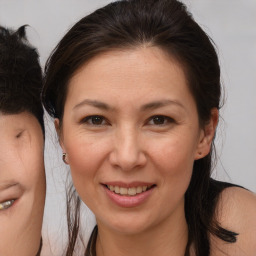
<point>147,69</point>
<point>12,123</point>
<point>144,57</point>
<point>21,139</point>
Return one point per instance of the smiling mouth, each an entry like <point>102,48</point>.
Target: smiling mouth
<point>133,191</point>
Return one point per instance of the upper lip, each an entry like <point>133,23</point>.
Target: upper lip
<point>128,184</point>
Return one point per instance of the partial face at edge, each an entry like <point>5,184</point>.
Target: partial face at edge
<point>130,119</point>
<point>22,184</point>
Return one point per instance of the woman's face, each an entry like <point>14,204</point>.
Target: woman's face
<point>130,124</point>
<point>22,184</point>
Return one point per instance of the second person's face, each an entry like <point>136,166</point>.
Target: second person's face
<point>131,133</point>
<point>22,184</point>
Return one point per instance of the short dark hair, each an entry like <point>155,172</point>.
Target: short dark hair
<point>20,75</point>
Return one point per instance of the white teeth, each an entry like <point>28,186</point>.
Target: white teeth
<point>139,190</point>
<point>123,191</point>
<point>117,189</point>
<point>128,191</point>
<point>6,204</point>
<point>132,191</point>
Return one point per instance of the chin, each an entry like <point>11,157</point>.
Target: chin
<point>128,224</point>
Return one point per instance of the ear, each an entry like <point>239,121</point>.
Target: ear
<point>58,131</point>
<point>207,135</point>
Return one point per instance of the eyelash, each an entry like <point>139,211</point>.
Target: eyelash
<point>89,120</point>
<point>92,120</point>
<point>7,204</point>
<point>166,120</point>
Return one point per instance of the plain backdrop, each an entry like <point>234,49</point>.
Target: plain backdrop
<point>231,24</point>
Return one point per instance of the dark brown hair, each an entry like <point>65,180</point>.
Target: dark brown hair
<point>166,24</point>
<point>20,75</point>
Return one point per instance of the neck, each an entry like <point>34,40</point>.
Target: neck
<point>167,238</point>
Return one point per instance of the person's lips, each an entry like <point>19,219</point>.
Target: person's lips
<point>128,194</point>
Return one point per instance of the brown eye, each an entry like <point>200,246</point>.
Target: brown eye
<point>94,120</point>
<point>97,120</point>
<point>160,120</point>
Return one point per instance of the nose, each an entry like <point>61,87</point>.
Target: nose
<point>127,153</point>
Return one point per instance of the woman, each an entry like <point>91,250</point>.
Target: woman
<point>135,92</point>
<point>22,177</point>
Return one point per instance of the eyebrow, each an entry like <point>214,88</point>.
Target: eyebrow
<point>148,106</point>
<point>159,104</point>
<point>94,103</point>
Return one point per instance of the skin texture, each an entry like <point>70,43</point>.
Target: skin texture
<point>127,145</point>
<point>22,170</point>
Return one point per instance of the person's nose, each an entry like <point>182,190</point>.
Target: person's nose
<point>127,153</point>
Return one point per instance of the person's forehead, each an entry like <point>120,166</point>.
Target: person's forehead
<point>16,121</point>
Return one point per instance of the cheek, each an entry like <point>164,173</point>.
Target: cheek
<point>27,168</point>
<point>32,161</point>
<point>173,167</point>
<point>85,158</point>
<point>25,163</point>
<point>173,151</point>
<point>173,159</point>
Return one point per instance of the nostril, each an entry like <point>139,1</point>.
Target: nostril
<point>126,152</point>
<point>127,162</point>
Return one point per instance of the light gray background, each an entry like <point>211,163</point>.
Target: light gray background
<point>232,25</point>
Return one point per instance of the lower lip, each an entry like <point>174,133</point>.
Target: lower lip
<point>128,201</point>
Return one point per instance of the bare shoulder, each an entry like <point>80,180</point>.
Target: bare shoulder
<point>236,211</point>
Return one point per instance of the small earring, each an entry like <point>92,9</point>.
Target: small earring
<point>64,158</point>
